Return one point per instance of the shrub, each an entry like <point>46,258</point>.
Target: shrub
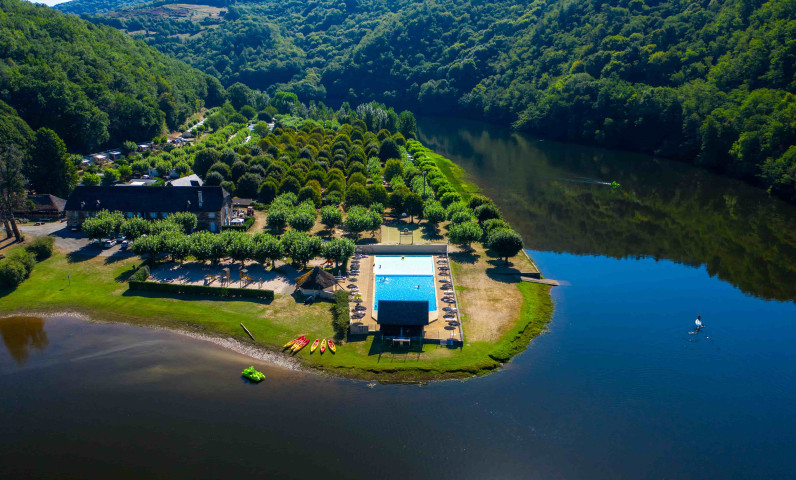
<point>24,257</point>
<point>140,275</point>
<point>41,248</point>
<point>12,273</point>
<point>340,317</point>
<point>243,227</point>
<point>505,242</point>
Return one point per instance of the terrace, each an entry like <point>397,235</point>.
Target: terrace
<point>400,278</point>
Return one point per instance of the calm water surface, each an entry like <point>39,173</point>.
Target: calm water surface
<point>618,388</point>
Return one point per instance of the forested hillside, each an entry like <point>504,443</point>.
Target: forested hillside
<point>91,84</point>
<point>707,81</point>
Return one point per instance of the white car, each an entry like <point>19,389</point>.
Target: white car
<point>109,243</point>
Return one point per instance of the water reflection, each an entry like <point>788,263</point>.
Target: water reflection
<point>556,196</point>
<point>23,334</point>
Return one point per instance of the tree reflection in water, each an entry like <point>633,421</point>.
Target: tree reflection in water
<point>21,335</point>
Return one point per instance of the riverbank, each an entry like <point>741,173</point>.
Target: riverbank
<point>96,288</point>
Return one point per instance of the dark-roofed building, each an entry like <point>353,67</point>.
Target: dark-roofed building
<point>42,207</point>
<point>402,319</point>
<point>212,205</point>
<point>317,282</point>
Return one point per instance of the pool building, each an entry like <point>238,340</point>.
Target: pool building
<point>404,295</point>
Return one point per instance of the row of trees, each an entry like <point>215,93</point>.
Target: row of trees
<point>242,247</point>
<point>106,224</point>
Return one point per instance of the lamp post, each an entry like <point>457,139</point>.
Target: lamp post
<point>425,172</point>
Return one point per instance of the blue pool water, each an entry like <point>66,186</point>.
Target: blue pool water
<point>406,287</point>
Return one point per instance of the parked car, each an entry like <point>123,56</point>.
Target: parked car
<point>109,243</point>
<point>125,244</point>
<point>120,238</point>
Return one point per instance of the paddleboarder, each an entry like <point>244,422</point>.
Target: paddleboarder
<point>698,322</point>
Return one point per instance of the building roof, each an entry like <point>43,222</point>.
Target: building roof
<point>403,312</point>
<point>192,180</point>
<point>152,199</point>
<point>47,202</point>
<point>316,279</point>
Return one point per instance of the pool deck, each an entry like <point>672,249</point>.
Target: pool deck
<point>437,329</point>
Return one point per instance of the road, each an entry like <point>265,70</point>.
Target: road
<point>71,242</point>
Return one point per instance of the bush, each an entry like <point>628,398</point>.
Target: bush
<point>41,248</point>
<point>201,290</point>
<point>12,273</point>
<point>27,259</point>
<point>140,275</point>
<point>340,317</point>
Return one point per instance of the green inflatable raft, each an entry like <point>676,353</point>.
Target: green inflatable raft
<point>253,375</point>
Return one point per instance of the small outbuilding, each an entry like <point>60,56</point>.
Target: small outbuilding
<point>42,207</point>
<point>317,282</point>
<point>402,321</point>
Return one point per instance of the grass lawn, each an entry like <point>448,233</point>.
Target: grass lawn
<point>99,289</point>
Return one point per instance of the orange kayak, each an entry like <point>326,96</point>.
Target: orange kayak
<point>300,345</point>
<point>332,347</point>
<point>293,342</point>
<point>314,345</point>
<point>323,346</point>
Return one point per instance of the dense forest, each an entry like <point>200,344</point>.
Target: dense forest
<point>709,82</point>
<point>90,84</point>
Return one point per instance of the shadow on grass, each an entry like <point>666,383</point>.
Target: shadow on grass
<point>87,252</point>
<point>181,296</point>
<point>118,256</point>
<point>465,257</point>
<point>431,233</point>
<point>501,272</point>
<point>389,353</point>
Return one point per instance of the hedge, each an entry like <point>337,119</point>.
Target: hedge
<point>247,224</point>
<point>201,290</point>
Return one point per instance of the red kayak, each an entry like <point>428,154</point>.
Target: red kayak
<point>293,342</point>
<point>332,347</point>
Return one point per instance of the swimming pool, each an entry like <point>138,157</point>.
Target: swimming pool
<point>406,287</point>
<point>403,265</point>
<point>408,277</point>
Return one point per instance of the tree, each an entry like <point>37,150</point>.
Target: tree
<point>310,194</point>
<point>486,211</point>
<point>303,217</point>
<point>109,176</point>
<point>505,242</point>
<point>12,187</point>
<point>103,224</point>
<point>449,198</point>
<point>305,248</point>
<point>91,179</point>
<point>357,220</point>
<point>186,220</point>
<point>407,125</point>
<point>434,214</point>
<point>129,147</point>
<point>413,205</point>
<point>135,227</point>
<point>202,245</point>
<point>176,244</point>
<point>393,168</point>
<point>267,192</point>
<point>465,233</point>
<point>150,245</point>
<point>338,250</point>
<point>267,247</point>
<point>49,169</point>
<point>214,179</point>
<point>357,195</point>
<point>240,248</point>
<point>388,149</point>
<point>331,216</point>
<point>397,200</point>
<point>204,159</point>
<point>277,217</point>
<point>248,185</point>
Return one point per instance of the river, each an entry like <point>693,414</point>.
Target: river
<point>619,387</point>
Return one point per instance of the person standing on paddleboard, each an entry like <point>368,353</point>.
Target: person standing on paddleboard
<point>698,322</point>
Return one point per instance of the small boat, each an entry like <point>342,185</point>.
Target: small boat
<point>323,346</point>
<point>332,347</point>
<point>293,342</point>
<point>253,375</point>
<point>300,345</point>
<point>314,345</point>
